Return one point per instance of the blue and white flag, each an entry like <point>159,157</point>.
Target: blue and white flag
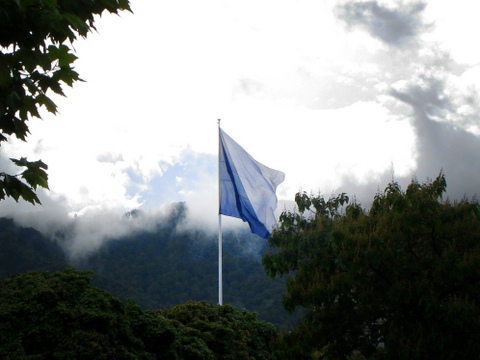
<point>247,188</point>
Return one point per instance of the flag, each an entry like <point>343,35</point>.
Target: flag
<point>247,187</point>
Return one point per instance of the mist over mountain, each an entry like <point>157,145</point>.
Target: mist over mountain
<point>25,249</point>
<point>157,262</point>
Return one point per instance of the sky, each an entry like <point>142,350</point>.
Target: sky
<point>342,96</point>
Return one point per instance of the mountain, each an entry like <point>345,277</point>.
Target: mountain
<point>160,268</point>
<point>25,249</point>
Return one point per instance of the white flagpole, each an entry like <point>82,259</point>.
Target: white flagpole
<point>220,260</point>
<point>220,250</point>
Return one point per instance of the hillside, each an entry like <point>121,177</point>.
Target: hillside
<point>25,249</point>
<point>161,268</point>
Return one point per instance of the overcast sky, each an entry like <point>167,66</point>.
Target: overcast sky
<point>339,95</point>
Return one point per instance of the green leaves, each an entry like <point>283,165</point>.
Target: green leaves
<point>207,331</point>
<point>320,206</point>
<point>77,23</point>
<point>34,176</point>
<point>11,186</point>
<point>60,315</point>
<point>400,280</point>
<point>45,101</point>
<point>62,54</point>
<point>35,58</point>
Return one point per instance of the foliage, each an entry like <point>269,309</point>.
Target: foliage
<point>164,268</point>
<point>25,249</point>
<point>158,269</point>
<point>35,58</point>
<point>398,281</point>
<point>208,331</point>
<point>61,316</point>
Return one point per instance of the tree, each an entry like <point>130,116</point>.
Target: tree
<point>61,315</point>
<point>35,59</point>
<point>208,331</point>
<point>398,281</point>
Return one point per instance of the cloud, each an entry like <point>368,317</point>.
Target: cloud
<point>428,89</point>
<point>336,110</point>
<point>442,142</point>
<point>84,235</point>
<point>110,157</point>
<point>398,26</point>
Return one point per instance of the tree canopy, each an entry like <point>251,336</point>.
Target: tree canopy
<point>400,280</point>
<point>208,331</point>
<point>60,315</point>
<point>36,59</point>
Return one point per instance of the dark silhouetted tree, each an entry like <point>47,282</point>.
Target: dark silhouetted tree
<point>398,281</point>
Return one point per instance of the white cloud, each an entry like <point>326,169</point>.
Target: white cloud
<point>336,107</point>
<point>456,28</point>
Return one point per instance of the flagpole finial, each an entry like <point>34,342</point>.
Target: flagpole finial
<point>218,121</point>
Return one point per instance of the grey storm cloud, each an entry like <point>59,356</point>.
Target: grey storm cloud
<point>396,26</point>
<point>441,145</point>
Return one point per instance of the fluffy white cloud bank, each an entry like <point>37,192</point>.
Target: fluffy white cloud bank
<point>339,95</point>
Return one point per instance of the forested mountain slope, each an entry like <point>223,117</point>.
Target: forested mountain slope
<point>25,249</point>
<point>161,268</point>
